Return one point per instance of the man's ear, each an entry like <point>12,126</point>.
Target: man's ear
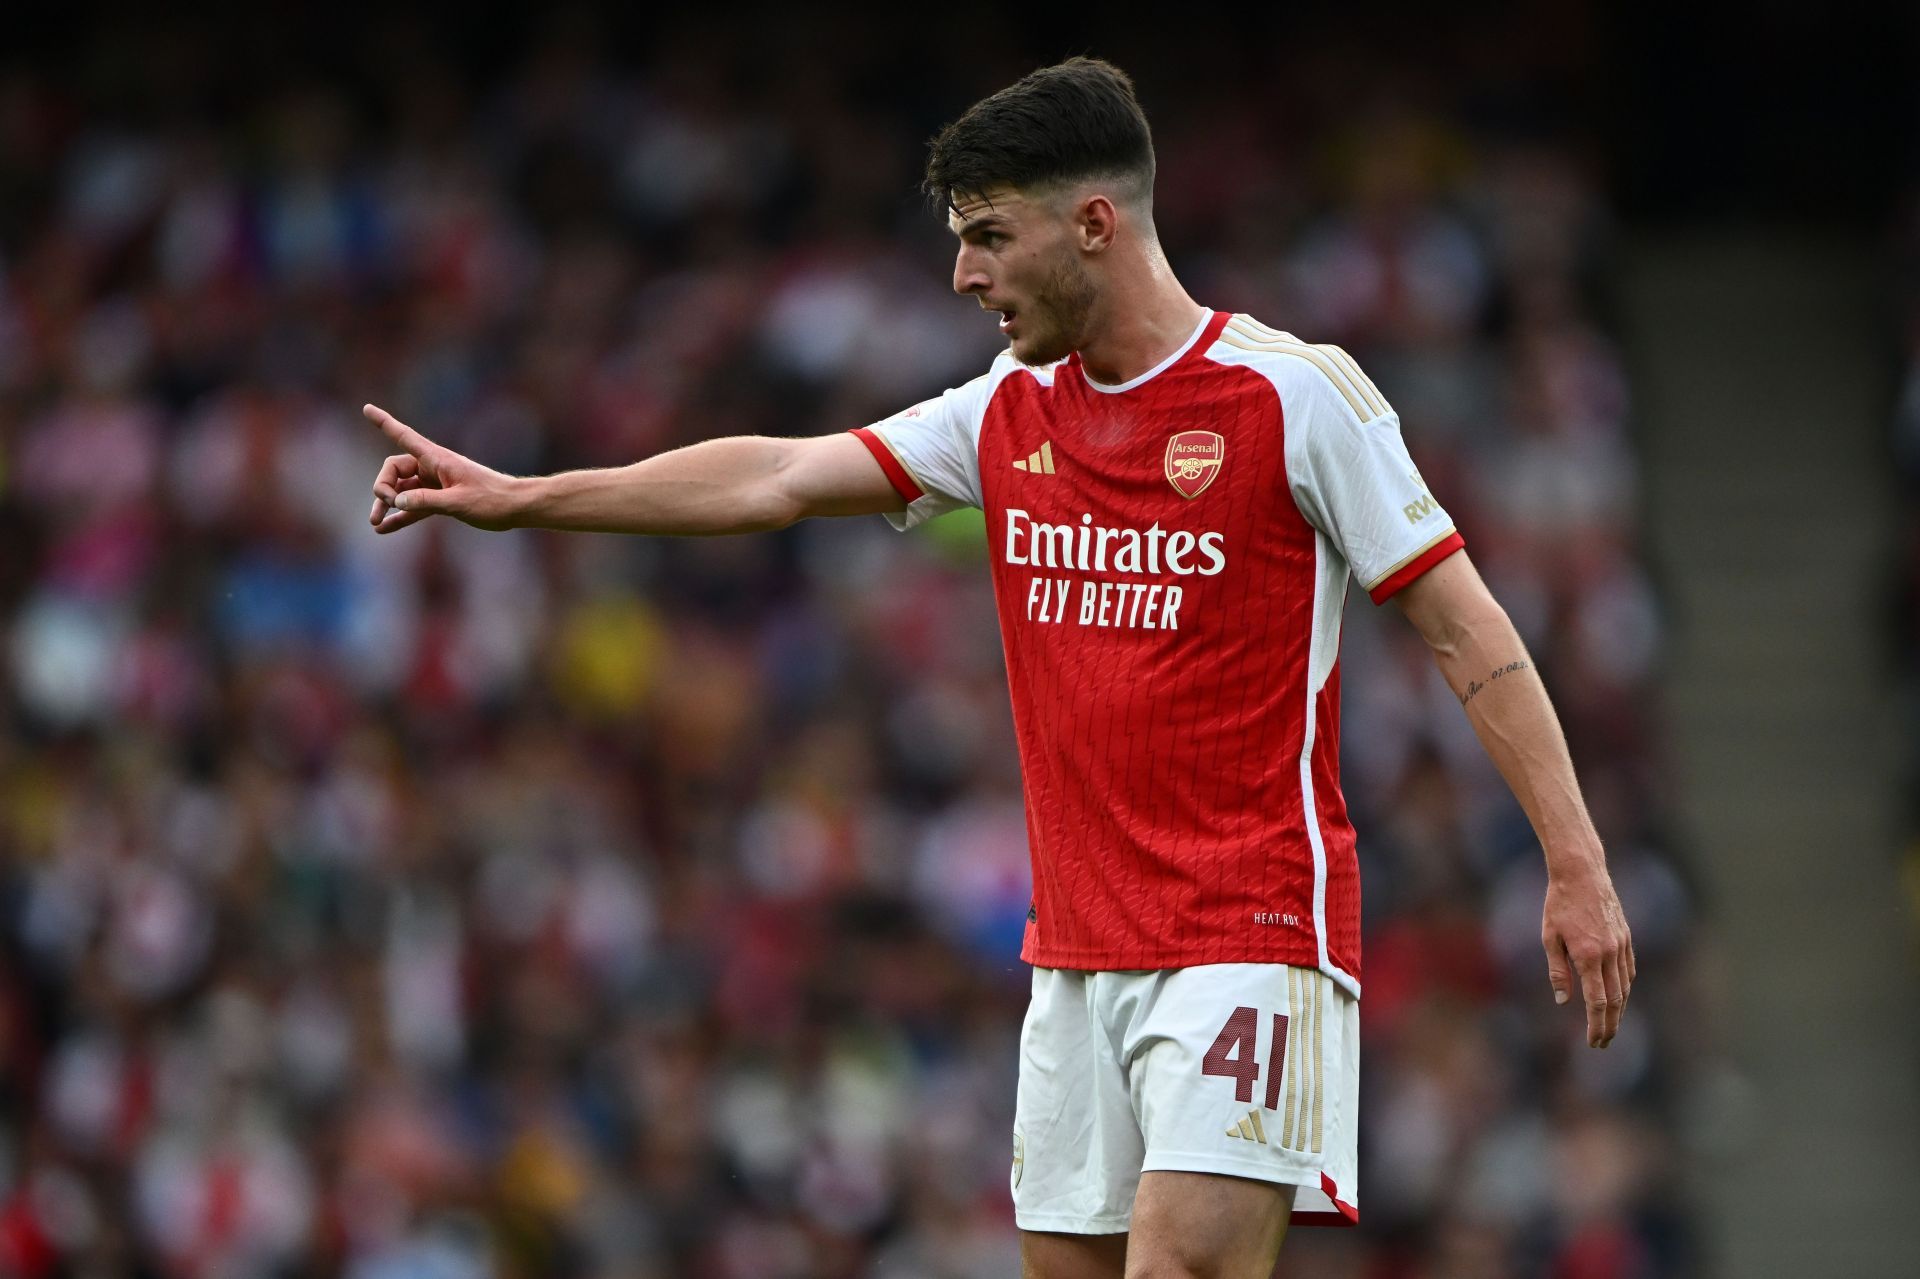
<point>1096,222</point>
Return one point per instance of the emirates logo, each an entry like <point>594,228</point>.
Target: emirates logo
<point>1193,460</point>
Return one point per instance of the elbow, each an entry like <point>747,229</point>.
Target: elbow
<point>767,511</point>
<point>777,502</point>
<point>775,505</point>
<point>1452,633</point>
<point>1487,627</point>
<point>1454,611</point>
<point>785,516</point>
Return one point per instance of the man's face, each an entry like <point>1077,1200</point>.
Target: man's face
<point>1018,256</point>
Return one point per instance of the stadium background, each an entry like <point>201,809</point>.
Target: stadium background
<point>458,904</point>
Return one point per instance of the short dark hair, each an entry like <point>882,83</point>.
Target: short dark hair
<point>1064,123</point>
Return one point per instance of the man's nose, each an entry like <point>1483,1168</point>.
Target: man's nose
<point>968,278</point>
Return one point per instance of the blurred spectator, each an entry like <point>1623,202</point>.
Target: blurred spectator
<point>468,905</point>
<point>1904,597</point>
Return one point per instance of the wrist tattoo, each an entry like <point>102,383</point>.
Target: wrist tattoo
<point>1474,686</point>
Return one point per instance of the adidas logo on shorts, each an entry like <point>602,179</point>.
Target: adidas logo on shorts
<point>1250,1128</point>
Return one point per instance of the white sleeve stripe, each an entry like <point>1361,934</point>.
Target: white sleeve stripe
<point>1268,335</point>
<point>1311,355</point>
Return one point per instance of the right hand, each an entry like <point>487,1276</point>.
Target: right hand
<point>428,479</point>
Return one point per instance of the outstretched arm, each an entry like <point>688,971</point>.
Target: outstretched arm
<point>1487,666</point>
<point>741,484</point>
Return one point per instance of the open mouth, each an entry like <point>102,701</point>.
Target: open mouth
<point>1006,319</point>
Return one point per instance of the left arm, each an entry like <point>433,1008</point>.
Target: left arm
<point>1349,474</point>
<point>1483,660</point>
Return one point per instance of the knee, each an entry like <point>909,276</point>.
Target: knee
<point>1174,1261</point>
<point>1165,1266</point>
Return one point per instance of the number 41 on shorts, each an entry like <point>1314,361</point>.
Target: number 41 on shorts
<point>1233,1055</point>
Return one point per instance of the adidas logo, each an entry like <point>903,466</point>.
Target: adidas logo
<point>1250,1128</point>
<point>1040,461</point>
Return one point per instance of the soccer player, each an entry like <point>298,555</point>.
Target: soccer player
<point>1175,498</point>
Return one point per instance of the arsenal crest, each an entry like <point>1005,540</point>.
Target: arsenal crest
<point>1193,459</point>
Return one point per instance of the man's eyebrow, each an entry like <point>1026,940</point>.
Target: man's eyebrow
<point>981,223</point>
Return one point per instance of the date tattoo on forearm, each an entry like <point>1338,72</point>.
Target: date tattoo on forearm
<point>1474,686</point>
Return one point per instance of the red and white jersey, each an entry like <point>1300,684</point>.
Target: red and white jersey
<point>1170,557</point>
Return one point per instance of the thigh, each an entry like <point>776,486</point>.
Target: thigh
<point>1200,1223</point>
<point>1056,1256</point>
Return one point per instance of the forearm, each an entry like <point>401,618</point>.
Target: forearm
<point>1582,928</point>
<point>1487,666</point>
<point>716,486</point>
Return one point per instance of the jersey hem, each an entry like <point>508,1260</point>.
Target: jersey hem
<point>1412,568</point>
<point>896,470</point>
<point>1154,961</point>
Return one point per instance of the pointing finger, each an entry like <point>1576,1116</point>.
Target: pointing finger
<point>397,431</point>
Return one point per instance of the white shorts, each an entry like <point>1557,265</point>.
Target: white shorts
<point>1252,1070</point>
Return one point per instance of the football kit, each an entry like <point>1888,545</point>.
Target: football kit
<point>1170,559</point>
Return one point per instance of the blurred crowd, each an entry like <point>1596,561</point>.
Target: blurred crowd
<point>455,905</point>
<point>1903,609</point>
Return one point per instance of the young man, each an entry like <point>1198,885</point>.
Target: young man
<point>1175,498</point>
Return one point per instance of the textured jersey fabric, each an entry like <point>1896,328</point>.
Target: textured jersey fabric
<point>1170,559</point>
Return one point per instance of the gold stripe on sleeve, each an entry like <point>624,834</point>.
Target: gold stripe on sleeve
<point>1327,365</point>
<point>1367,389</point>
<point>1278,335</point>
<point>1348,365</point>
<point>1443,536</point>
<point>1366,382</point>
<point>1234,337</point>
<point>921,484</point>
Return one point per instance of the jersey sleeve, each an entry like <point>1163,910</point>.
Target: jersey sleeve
<point>1352,479</point>
<point>931,452</point>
